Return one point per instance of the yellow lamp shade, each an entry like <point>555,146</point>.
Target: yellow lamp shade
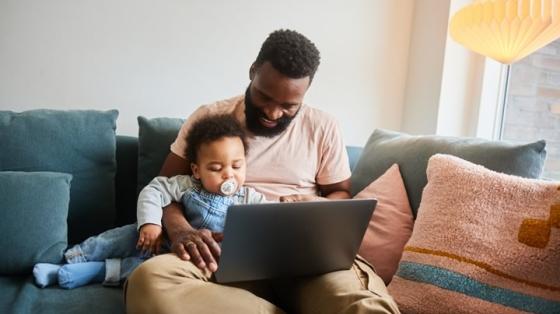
<point>507,30</point>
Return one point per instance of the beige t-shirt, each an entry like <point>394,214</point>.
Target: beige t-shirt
<point>310,151</point>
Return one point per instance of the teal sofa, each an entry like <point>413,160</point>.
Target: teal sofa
<point>19,294</point>
<point>67,136</point>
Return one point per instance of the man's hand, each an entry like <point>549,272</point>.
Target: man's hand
<point>301,198</point>
<point>150,238</point>
<point>200,247</point>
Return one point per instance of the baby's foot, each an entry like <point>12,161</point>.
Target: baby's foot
<point>45,274</point>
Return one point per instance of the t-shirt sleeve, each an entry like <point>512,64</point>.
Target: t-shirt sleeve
<point>334,166</point>
<point>179,146</point>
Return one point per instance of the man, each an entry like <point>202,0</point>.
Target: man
<point>296,153</point>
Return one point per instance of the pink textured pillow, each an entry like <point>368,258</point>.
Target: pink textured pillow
<point>483,242</point>
<point>390,225</point>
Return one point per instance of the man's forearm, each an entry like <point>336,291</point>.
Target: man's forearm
<point>174,221</point>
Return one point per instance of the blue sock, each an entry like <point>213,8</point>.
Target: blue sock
<point>45,274</point>
<point>71,276</point>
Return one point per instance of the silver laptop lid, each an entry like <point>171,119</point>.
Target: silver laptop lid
<point>274,240</point>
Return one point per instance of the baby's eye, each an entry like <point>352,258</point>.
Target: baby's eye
<point>214,169</point>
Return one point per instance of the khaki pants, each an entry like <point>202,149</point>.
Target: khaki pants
<point>166,284</point>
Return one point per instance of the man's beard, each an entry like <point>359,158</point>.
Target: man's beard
<point>253,114</point>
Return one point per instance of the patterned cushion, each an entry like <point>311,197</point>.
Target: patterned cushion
<point>483,241</point>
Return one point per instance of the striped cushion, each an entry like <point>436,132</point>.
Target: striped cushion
<point>483,242</point>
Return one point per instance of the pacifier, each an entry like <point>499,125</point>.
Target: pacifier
<point>228,187</point>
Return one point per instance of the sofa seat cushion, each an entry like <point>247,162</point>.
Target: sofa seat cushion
<point>411,153</point>
<point>20,295</point>
<point>81,143</point>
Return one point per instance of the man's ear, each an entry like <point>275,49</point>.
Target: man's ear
<point>252,71</point>
<point>195,172</point>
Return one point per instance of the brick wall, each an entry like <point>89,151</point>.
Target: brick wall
<point>533,103</point>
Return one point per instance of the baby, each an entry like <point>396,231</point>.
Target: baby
<point>216,149</point>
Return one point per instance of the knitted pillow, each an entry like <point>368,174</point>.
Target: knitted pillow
<point>483,242</point>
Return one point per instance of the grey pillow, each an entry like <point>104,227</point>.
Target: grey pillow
<point>385,148</point>
<point>78,142</point>
<point>154,138</point>
<point>33,212</point>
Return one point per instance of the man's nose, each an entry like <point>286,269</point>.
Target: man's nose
<point>273,112</point>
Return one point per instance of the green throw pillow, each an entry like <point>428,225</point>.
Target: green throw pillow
<point>78,142</point>
<point>154,138</point>
<point>33,212</point>
<point>411,153</point>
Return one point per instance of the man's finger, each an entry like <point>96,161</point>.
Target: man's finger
<point>214,247</point>
<point>192,248</point>
<point>218,236</point>
<point>207,256</point>
<point>180,250</point>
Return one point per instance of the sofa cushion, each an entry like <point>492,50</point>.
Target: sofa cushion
<point>21,295</point>
<point>483,241</point>
<point>411,153</point>
<point>34,208</point>
<point>154,139</point>
<point>81,143</point>
<point>390,225</point>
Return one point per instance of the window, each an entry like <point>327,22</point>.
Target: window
<point>532,104</point>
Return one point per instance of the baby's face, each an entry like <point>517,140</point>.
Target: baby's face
<point>219,161</point>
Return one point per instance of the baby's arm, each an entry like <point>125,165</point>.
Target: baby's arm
<point>254,197</point>
<point>150,238</point>
<point>160,192</point>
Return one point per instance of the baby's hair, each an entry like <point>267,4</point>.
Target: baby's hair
<point>210,129</point>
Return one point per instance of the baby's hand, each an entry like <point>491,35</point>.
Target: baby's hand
<point>149,239</point>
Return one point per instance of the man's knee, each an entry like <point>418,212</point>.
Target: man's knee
<point>138,283</point>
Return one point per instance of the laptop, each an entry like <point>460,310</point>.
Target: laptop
<point>279,240</point>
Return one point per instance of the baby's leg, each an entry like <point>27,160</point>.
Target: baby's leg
<point>117,242</point>
<point>111,272</point>
<point>72,276</point>
<point>117,270</point>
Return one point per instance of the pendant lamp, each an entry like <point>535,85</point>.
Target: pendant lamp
<point>506,30</point>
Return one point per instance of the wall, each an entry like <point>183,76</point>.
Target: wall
<point>164,58</point>
<point>425,66</point>
<point>461,86</point>
<point>444,82</point>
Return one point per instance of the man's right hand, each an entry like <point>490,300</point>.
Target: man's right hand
<point>199,246</point>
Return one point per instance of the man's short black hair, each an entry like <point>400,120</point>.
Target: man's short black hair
<point>210,129</point>
<point>290,53</point>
